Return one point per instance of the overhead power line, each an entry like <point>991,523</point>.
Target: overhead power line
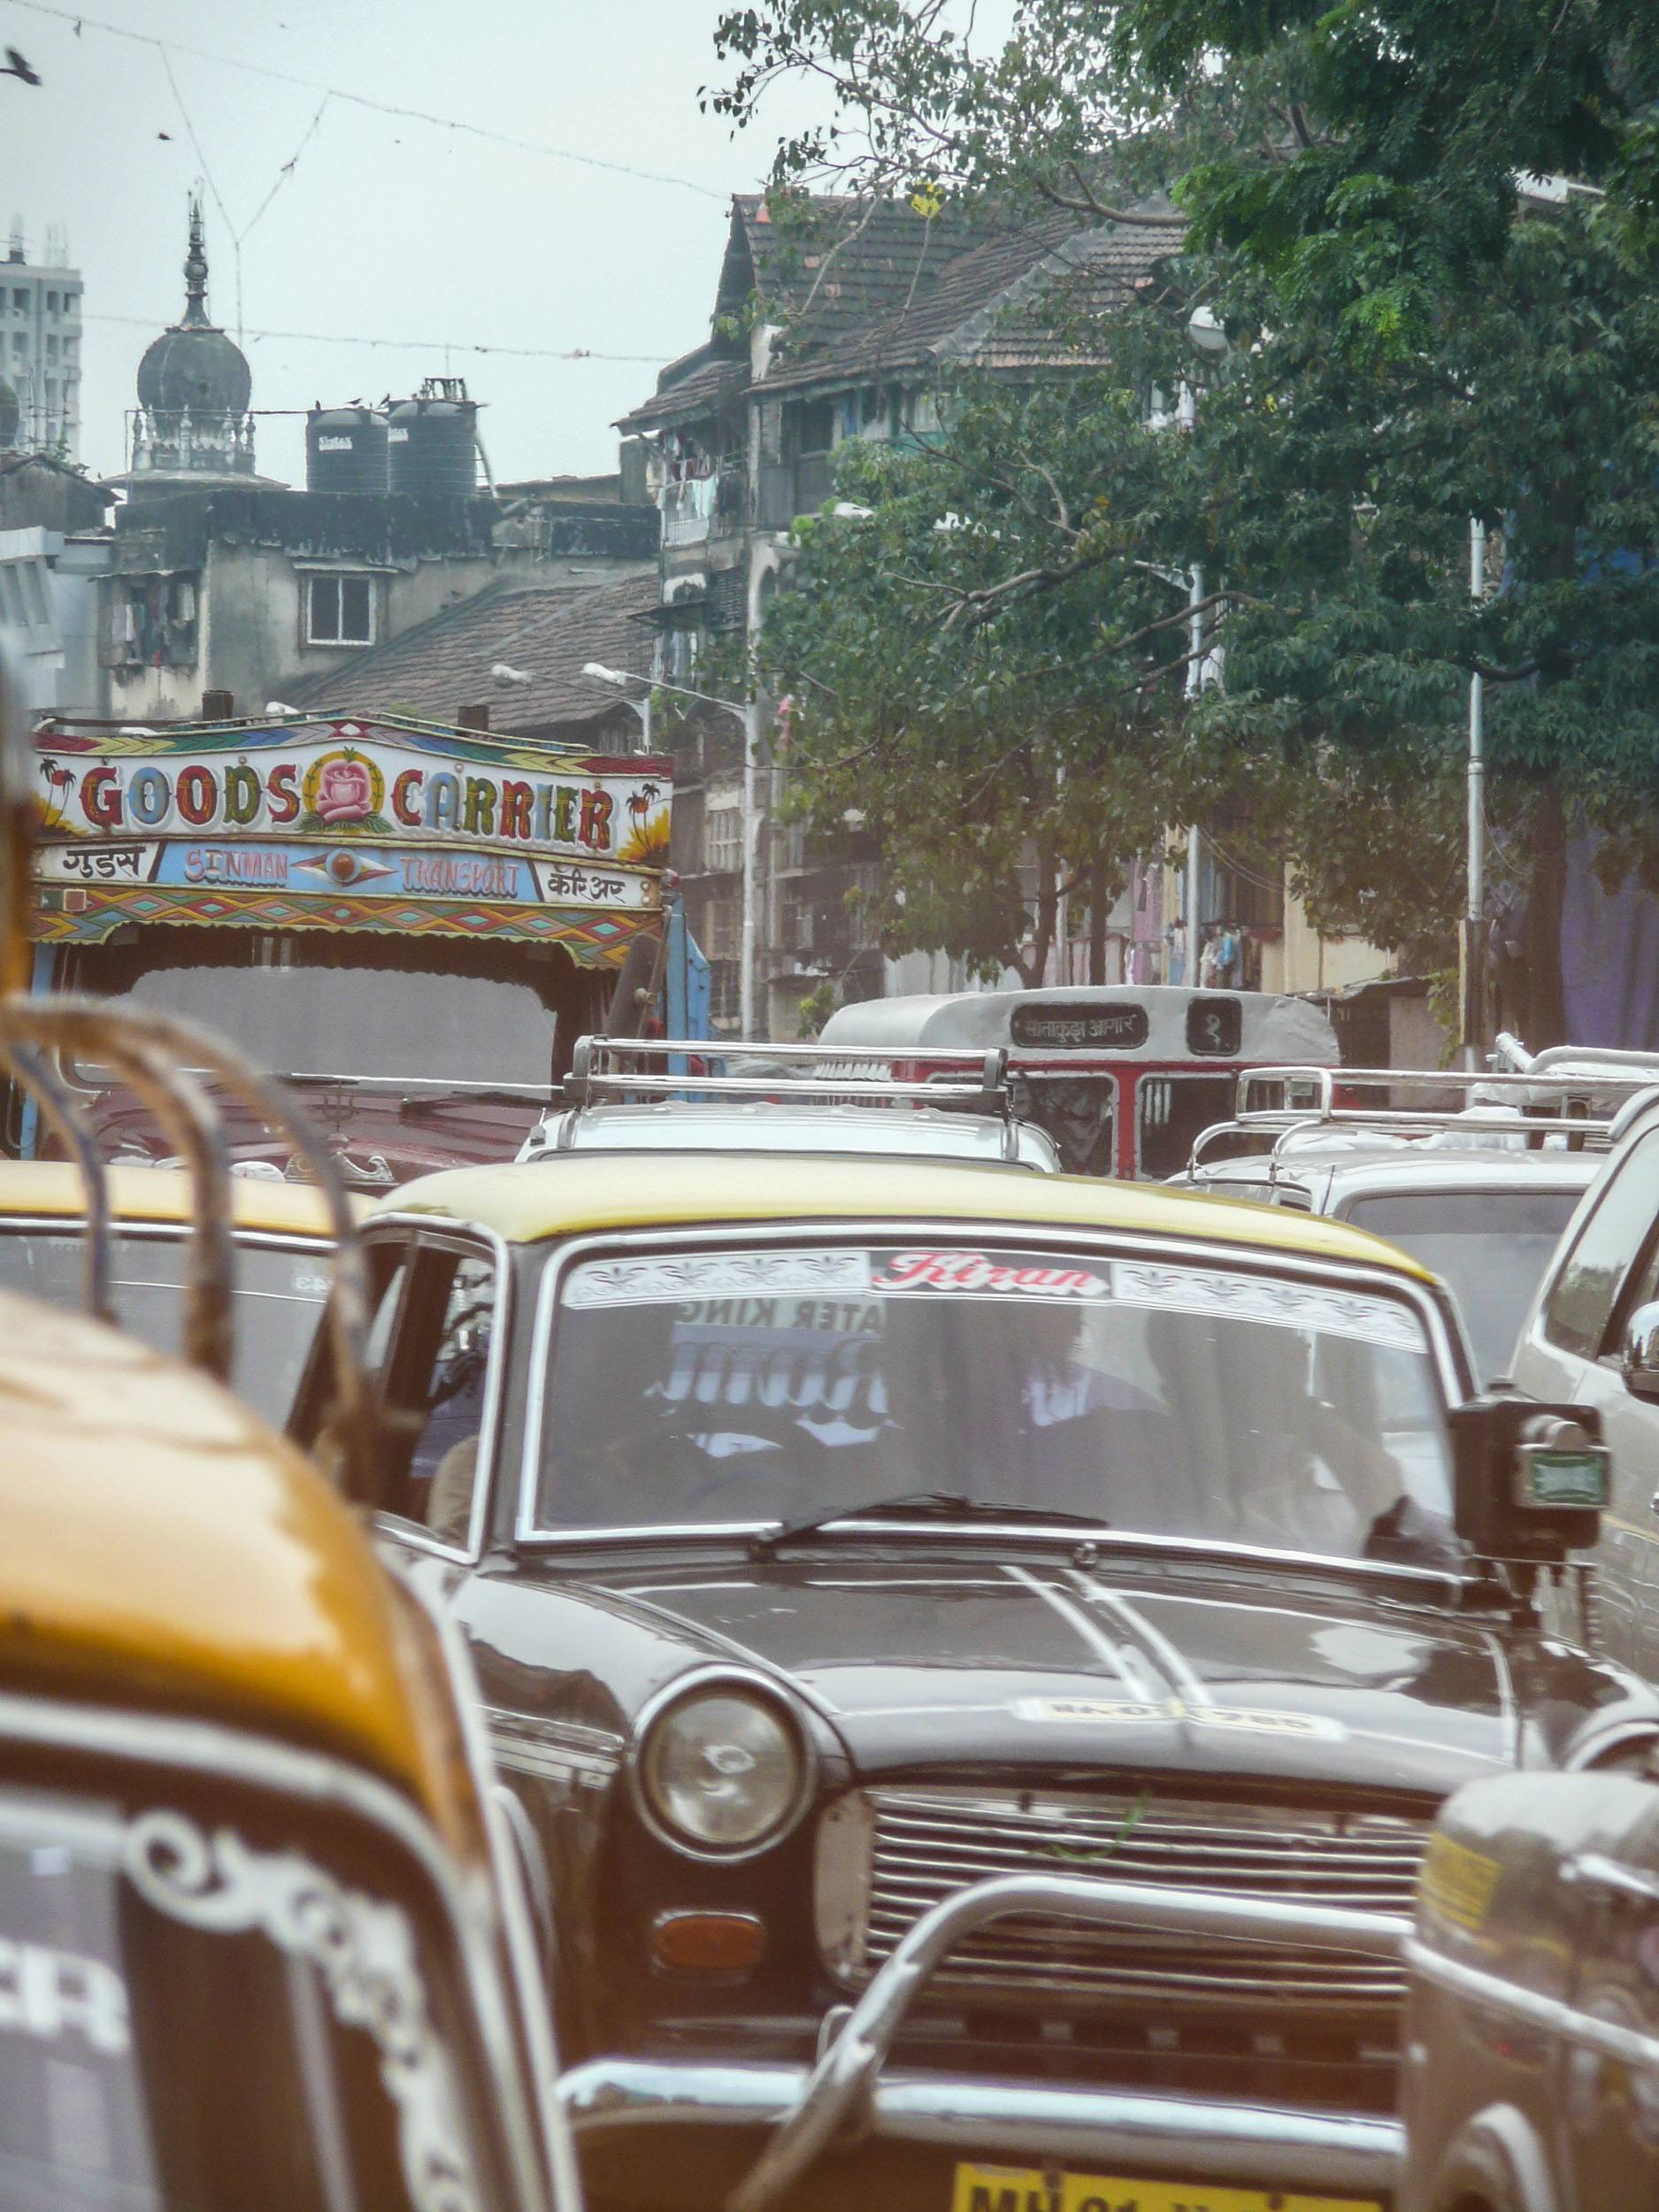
<point>363,100</point>
<point>419,345</point>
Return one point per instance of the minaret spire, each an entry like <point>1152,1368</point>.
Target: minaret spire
<point>195,272</point>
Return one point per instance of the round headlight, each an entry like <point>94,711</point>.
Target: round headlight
<point>721,1770</point>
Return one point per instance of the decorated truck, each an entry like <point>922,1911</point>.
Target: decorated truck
<point>412,923</point>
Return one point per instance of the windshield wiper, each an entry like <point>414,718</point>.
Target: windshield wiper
<point>929,1505</point>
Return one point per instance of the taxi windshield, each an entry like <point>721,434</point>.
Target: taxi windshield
<point>1169,1398</point>
<point>198,2017</point>
<point>278,1292</point>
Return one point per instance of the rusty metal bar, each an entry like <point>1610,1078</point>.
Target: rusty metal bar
<point>28,1068</point>
<point>157,1053</point>
<point>194,1128</point>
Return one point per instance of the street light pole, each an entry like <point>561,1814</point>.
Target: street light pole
<point>1474,978</point>
<point>751,873</point>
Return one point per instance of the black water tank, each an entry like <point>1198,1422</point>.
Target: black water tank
<point>345,450</point>
<point>434,446</point>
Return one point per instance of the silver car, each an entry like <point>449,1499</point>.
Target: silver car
<point>1486,1222</point>
<point>664,1096</point>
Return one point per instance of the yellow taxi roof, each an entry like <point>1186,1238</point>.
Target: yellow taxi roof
<point>53,1188</point>
<point>163,1548</point>
<point>572,1193</point>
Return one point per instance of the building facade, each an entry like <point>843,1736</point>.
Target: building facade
<point>835,321</point>
<point>40,351</point>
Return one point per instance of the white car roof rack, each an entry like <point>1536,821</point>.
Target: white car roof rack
<point>1566,1099</point>
<point>617,1068</point>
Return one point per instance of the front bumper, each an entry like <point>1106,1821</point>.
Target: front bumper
<point>674,2134</point>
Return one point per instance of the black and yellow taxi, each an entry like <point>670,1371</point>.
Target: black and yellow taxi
<point>836,1537</point>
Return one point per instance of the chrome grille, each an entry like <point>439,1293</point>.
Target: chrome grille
<point>887,1855</point>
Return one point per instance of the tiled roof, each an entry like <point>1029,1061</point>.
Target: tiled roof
<point>859,291</point>
<point>684,394</point>
<point>544,632</point>
<point>997,303</point>
<point>840,262</point>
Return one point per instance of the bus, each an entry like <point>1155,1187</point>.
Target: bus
<point>1123,1077</point>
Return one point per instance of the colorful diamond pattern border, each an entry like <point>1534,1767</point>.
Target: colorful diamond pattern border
<point>593,941</point>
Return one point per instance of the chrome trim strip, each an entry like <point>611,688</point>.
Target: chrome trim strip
<point>844,2079</point>
<point>1203,2139</point>
<point>1604,2037</point>
<point>432,1231</point>
<point>1065,1236</point>
<point>1088,1633</point>
<point>1589,1754</point>
<point>71,1227</point>
<point>513,1876</point>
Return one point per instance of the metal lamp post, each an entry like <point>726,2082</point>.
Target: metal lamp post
<point>1474,976</point>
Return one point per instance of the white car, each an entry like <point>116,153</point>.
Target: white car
<point>1593,1336</point>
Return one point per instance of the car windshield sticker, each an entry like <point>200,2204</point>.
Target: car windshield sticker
<point>1267,1298</point>
<point>693,1275</point>
<point>733,1288</point>
<point>1169,1712</point>
<point>1009,1275</point>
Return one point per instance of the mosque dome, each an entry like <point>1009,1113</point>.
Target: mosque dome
<point>195,366</point>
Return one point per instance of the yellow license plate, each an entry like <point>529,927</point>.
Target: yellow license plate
<point>1028,2189</point>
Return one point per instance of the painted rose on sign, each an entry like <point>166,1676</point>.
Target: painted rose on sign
<point>343,791</point>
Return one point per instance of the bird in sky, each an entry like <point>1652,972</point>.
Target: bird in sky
<point>16,66</point>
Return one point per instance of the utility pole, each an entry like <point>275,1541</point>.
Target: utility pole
<point>1474,942</point>
<point>1194,685</point>
<point>751,889</point>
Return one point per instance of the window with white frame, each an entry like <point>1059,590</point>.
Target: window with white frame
<point>340,611</point>
<point>723,839</point>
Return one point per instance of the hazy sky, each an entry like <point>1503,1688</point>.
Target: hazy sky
<point>385,228</point>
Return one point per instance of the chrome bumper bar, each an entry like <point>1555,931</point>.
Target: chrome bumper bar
<point>1098,2130</point>
<point>850,2091</point>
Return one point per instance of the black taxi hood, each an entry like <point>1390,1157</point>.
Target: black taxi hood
<point>997,1665</point>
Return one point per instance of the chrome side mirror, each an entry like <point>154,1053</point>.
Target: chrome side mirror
<point>1638,1359</point>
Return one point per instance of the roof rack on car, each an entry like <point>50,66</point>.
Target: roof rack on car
<point>1565,1100</point>
<point>1594,1064</point>
<point>610,1068</point>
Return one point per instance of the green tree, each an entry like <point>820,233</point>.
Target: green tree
<point>1407,352</point>
<point>978,653</point>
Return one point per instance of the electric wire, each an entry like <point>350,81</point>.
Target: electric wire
<point>363,100</point>
<point>411,345</point>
